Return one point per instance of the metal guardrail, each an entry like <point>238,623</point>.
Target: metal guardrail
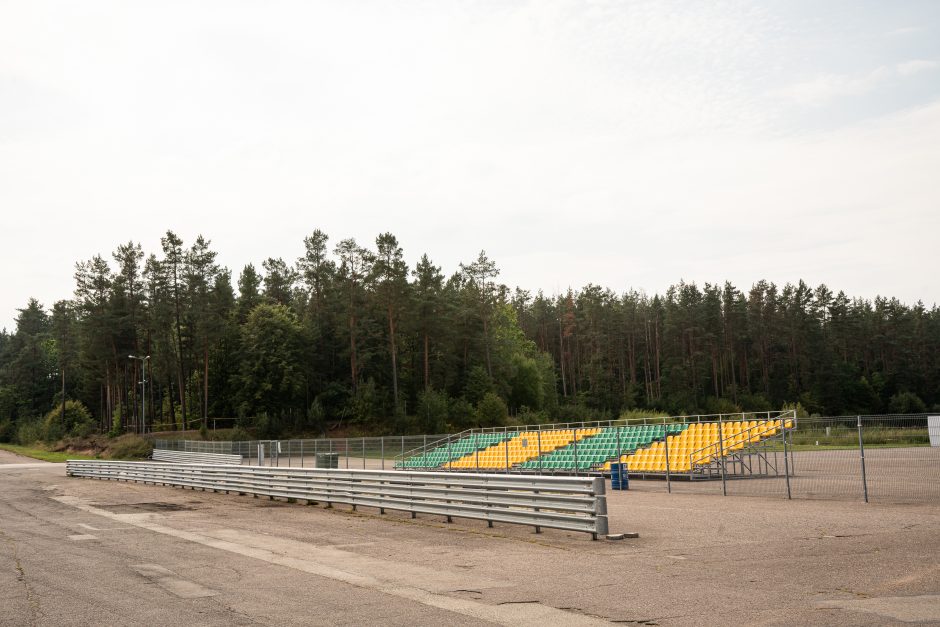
<point>187,457</point>
<point>568,503</point>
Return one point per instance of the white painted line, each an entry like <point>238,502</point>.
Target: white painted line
<point>90,528</point>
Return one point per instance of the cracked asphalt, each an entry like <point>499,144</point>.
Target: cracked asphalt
<point>79,551</point>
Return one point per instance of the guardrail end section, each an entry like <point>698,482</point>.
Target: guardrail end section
<point>598,487</point>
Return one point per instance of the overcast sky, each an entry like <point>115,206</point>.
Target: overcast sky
<point>629,144</point>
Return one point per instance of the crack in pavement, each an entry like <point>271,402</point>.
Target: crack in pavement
<point>31,601</point>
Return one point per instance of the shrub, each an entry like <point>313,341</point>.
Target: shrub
<point>906,403</point>
<point>492,411</point>
<point>130,447</point>
<point>7,431</point>
<point>460,413</point>
<point>29,432</point>
<point>432,411</point>
<point>77,422</point>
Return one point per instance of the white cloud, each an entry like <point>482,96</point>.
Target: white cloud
<point>916,66</point>
<point>825,88</point>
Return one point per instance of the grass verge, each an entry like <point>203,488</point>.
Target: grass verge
<point>44,455</point>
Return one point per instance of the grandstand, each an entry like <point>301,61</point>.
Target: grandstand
<point>695,447</point>
<point>443,454</point>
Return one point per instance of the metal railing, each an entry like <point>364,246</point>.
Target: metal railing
<point>568,503</point>
<point>367,452</point>
<point>190,457</point>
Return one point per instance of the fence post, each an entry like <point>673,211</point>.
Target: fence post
<point>363,453</point>
<point>619,448</point>
<point>861,450</point>
<point>382,451</point>
<point>786,460</point>
<point>721,455</point>
<point>476,445</point>
<point>301,453</point>
<point>576,452</point>
<point>666,447</point>
<point>792,463</point>
<point>506,449</point>
<point>450,459</point>
<point>346,445</point>
<point>424,454</point>
<point>540,449</point>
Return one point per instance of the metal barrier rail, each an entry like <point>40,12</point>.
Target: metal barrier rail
<point>568,503</point>
<point>187,457</point>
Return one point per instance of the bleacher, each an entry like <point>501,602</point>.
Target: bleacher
<point>692,448</point>
<point>444,453</point>
<point>699,445</point>
<point>601,448</point>
<point>522,447</point>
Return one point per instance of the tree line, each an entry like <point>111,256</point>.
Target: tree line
<point>351,334</point>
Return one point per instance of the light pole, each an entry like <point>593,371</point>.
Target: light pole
<point>143,391</point>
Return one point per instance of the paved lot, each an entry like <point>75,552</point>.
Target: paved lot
<point>78,551</point>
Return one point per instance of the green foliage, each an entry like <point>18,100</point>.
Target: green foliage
<point>461,414</point>
<point>77,422</point>
<point>364,405</point>
<point>796,407</point>
<point>640,415</point>
<point>130,447</point>
<point>906,403</point>
<point>525,383</point>
<point>116,419</point>
<point>350,332</point>
<point>492,411</point>
<point>432,411</point>
<point>7,430</point>
<point>30,432</point>
<point>479,384</point>
<point>271,377</point>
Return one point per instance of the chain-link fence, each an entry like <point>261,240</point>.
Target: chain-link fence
<point>885,458</point>
<point>377,453</point>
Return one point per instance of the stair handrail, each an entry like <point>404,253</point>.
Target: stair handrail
<point>719,454</point>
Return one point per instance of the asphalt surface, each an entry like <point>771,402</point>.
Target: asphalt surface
<point>79,551</point>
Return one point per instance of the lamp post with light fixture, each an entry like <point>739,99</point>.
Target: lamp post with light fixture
<point>143,391</point>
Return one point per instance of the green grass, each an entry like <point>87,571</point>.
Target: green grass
<point>44,455</point>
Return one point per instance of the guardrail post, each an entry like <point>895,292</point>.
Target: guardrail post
<point>600,508</point>
<point>861,450</point>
